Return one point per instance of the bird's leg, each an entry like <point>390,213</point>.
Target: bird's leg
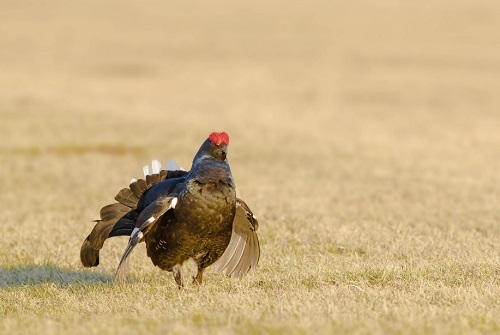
<point>199,275</point>
<point>177,269</point>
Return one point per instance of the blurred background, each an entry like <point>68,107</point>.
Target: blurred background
<point>80,70</point>
<point>338,111</point>
<point>365,136</point>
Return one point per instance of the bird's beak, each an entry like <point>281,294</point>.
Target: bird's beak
<point>224,148</point>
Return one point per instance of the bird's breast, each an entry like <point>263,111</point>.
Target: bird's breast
<point>209,207</point>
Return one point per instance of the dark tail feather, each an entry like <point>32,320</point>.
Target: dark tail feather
<point>127,198</point>
<point>119,219</point>
<point>125,225</point>
<point>113,212</point>
<point>89,253</point>
<point>116,220</point>
<point>115,226</point>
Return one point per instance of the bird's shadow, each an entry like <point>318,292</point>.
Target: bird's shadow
<point>33,275</point>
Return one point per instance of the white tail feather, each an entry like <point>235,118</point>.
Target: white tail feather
<point>171,165</point>
<point>147,170</point>
<point>155,166</point>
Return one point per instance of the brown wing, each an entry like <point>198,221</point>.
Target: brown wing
<point>243,251</point>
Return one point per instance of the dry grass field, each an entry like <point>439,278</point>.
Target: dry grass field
<point>365,135</point>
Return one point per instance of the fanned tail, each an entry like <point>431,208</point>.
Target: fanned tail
<point>118,219</point>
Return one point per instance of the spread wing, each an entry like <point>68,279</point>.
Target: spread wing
<point>148,217</point>
<point>243,251</point>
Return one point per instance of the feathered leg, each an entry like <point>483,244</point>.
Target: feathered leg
<point>177,269</point>
<point>198,279</point>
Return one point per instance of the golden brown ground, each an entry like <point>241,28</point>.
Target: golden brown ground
<point>364,134</point>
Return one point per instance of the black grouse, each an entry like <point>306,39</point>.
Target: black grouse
<point>182,215</point>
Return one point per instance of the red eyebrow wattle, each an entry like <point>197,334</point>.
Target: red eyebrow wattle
<point>219,138</point>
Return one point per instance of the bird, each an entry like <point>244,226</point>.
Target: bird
<point>182,215</point>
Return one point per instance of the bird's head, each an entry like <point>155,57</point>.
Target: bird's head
<point>215,147</point>
<point>218,145</point>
